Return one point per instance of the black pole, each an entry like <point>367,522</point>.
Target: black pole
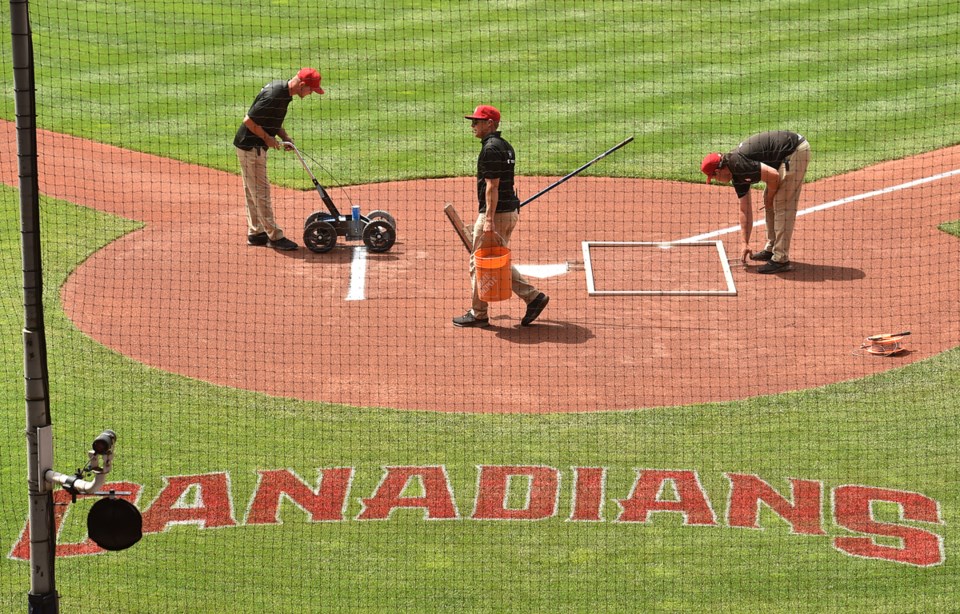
<point>576,172</point>
<point>42,598</point>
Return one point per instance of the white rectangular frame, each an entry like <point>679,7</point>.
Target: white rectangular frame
<point>592,290</point>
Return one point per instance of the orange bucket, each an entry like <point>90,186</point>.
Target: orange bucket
<point>494,278</point>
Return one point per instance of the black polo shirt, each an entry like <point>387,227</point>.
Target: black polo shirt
<point>268,110</point>
<point>770,148</point>
<point>497,161</point>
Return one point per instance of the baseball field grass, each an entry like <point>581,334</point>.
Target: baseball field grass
<point>897,430</point>
<point>869,83</point>
<point>865,79</point>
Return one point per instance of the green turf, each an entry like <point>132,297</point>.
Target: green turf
<point>951,227</point>
<point>861,81</point>
<point>896,430</point>
<point>864,81</point>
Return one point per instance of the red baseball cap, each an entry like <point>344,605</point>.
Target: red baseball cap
<point>710,165</point>
<point>485,111</point>
<point>311,76</point>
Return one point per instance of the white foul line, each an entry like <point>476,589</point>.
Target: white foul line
<point>358,268</point>
<point>543,271</point>
<point>358,274</point>
<point>831,204</point>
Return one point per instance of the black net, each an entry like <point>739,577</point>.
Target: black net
<point>677,406</point>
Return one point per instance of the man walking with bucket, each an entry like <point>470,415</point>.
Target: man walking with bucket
<point>499,213</point>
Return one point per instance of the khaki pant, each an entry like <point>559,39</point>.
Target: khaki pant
<point>256,189</point>
<point>505,223</point>
<point>782,216</point>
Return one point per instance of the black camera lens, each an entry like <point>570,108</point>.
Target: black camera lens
<point>104,442</point>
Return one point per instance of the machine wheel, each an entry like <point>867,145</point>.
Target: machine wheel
<point>379,236</point>
<point>317,215</point>
<point>320,236</point>
<point>383,215</point>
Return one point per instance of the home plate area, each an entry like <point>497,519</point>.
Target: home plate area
<point>650,268</point>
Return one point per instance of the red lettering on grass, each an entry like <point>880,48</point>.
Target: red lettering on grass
<point>211,506</point>
<point>588,491</point>
<point>62,503</point>
<point>493,489</point>
<point>747,492</point>
<point>647,497</point>
<point>436,501</point>
<point>325,503</point>
<point>853,510</point>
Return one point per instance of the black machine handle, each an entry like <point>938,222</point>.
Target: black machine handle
<point>316,184</point>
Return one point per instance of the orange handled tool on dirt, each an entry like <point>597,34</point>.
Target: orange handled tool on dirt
<point>885,344</point>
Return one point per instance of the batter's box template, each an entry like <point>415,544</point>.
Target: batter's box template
<point>648,268</point>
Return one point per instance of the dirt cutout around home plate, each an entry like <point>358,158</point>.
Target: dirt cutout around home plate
<point>187,295</point>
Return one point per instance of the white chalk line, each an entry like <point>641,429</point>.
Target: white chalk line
<point>555,270</point>
<point>543,271</point>
<point>831,204</point>
<point>358,268</point>
<point>358,275</point>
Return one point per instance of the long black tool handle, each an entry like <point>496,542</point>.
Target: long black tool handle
<point>576,172</point>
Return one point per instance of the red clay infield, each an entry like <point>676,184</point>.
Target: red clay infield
<point>185,294</point>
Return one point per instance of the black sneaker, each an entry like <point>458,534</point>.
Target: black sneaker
<point>283,244</point>
<point>468,320</point>
<point>775,267</point>
<point>764,256</point>
<point>258,239</point>
<point>534,308</point>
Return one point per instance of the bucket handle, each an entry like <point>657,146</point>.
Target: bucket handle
<point>489,239</point>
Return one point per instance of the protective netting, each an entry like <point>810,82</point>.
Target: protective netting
<point>293,425</point>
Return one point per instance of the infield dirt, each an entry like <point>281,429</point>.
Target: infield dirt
<point>187,295</point>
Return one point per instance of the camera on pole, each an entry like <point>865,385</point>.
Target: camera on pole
<point>113,523</point>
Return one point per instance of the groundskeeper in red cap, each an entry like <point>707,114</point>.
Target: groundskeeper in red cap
<point>710,165</point>
<point>485,111</point>
<point>311,76</point>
